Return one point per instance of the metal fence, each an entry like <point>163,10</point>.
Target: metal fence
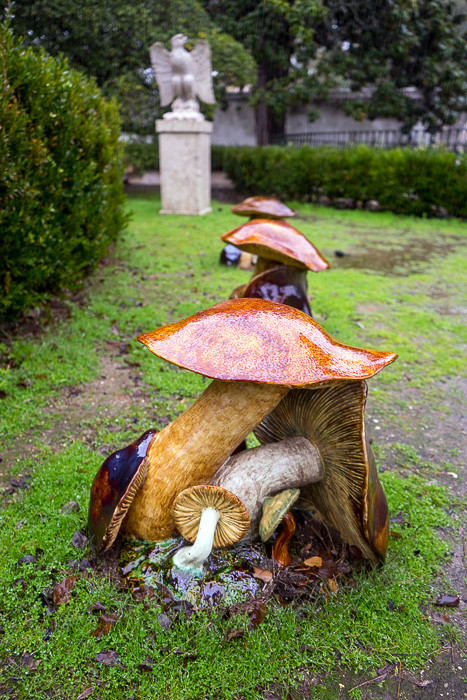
<point>453,139</point>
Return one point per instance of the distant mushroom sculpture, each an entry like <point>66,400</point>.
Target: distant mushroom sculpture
<point>263,208</point>
<point>255,351</point>
<point>349,496</point>
<point>276,242</point>
<point>254,208</point>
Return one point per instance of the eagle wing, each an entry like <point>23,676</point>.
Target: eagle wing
<point>201,56</point>
<point>160,61</point>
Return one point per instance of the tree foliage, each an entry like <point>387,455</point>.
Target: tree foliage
<point>389,46</point>
<point>305,47</point>
<point>111,40</point>
<point>280,36</point>
<point>290,51</point>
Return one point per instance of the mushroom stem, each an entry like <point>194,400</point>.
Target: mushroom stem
<point>189,558</point>
<point>190,450</point>
<point>263,264</point>
<point>254,474</point>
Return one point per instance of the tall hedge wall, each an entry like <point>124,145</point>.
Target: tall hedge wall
<point>61,173</point>
<point>405,181</point>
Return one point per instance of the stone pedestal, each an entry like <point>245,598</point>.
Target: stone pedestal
<point>185,165</point>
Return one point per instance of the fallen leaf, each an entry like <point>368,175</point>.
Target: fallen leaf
<point>79,540</point>
<point>448,601</point>
<point>108,658</point>
<point>28,661</point>
<point>147,665</point>
<point>262,574</point>
<point>395,535</point>
<point>164,621</point>
<point>439,617</point>
<point>233,634</point>
<point>85,694</point>
<point>314,561</point>
<point>62,590</point>
<point>102,629</point>
<point>70,507</point>
<point>27,559</point>
<point>332,585</point>
<point>257,614</point>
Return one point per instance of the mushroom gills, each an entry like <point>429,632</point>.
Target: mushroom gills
<point>350,496</point>
<point>192,558</point>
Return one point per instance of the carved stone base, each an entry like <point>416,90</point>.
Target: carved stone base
<point>185,166</point>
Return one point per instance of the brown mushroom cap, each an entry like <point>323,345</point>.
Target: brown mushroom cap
<point>254,340</point>
<point>234,520</point>
<point>278,241</point>
<point>267,207</point>
<point>114,488</point>
<point>349,496</point>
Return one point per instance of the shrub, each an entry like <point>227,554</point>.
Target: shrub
<point>404,181</point>
<point>61,171</point>
<point>141,156</point>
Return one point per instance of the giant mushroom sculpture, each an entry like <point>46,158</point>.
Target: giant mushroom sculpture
<point>255,351</point>
<point>263,208</point>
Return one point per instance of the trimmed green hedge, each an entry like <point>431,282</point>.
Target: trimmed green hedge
<point>425,182</point>
<point>61,173</point>
<point>140,157</point>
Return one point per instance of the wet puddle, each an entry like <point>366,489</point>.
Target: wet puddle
<point>409,257</point>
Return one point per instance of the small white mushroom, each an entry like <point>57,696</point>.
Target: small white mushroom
<point>209,516</point>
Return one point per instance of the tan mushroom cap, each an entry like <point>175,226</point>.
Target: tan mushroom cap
<point>234,520</point>
<point>268,207</point>
<point>274,509</point>
<point>349,496</point>
<point>278,241</point>
<point>255,340</point>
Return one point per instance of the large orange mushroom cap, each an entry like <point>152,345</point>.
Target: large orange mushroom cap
<point>278,241</point>
<point>255,340</point>
<point>267,207</point>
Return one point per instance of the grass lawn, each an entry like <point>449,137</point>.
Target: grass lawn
<point>84,387</point>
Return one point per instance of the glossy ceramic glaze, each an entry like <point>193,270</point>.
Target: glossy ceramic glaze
<point>280,550</point>
<point>284,284</point>
<point>115,480</point>
<point>279,241</point>
<point>254,340</point>
<point>269,207</point>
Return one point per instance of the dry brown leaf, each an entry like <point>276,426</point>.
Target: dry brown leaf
<point>62,590</point>
<point>332,585</point>
<point>262,574</point>
<point>314,561</point>
<point>85,694</point>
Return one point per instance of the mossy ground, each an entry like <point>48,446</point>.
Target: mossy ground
<point>84,387</point>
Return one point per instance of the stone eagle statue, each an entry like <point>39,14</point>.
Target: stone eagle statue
<point>183,76</point>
